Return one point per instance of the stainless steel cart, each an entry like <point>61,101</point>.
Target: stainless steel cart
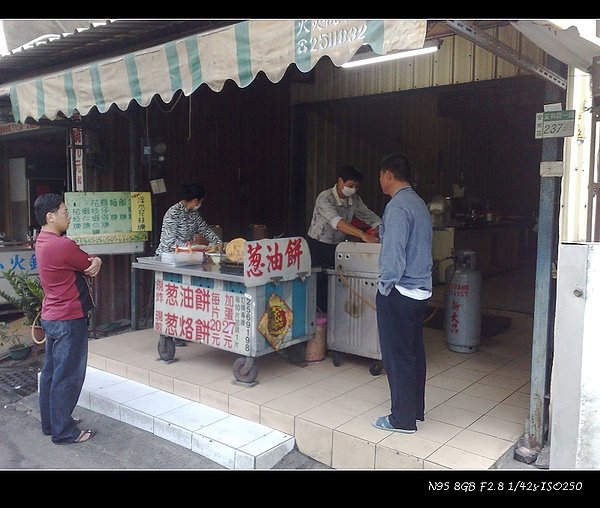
<point>203,303</point>
<point>351,317</point>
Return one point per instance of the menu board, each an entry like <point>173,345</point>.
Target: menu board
<point>109,217</point>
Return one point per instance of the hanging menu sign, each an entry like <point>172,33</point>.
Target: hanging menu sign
<point>108,217</point>
<point>141,211</point>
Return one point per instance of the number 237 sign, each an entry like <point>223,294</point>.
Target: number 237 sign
<point>555,124</point>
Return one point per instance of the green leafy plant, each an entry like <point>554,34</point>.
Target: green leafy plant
<point>28,293</point>
<point>10,337</point>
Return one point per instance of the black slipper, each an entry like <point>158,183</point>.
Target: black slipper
<point>84,436</point>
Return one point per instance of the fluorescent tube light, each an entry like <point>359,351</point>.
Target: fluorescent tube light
<point>368,58</point>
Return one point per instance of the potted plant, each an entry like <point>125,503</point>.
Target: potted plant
<point>28,296</point>
<point>13,339</point>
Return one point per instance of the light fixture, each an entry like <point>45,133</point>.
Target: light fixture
<point>369,57</point>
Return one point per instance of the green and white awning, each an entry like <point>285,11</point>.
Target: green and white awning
<point>237,52</point>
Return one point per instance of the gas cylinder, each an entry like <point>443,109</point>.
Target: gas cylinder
<point>462,318</point>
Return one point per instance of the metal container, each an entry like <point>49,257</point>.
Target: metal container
<point>462,318</point>
<point>352,287</point>
<point>257,232</point>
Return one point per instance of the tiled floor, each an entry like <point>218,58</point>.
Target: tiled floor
<point>476,404</point>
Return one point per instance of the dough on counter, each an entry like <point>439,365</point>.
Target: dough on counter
<point>235,250</point>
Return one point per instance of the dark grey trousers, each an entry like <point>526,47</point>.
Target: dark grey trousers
<point>400,325</point>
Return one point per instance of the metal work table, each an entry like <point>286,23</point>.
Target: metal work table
<point>204,269</point>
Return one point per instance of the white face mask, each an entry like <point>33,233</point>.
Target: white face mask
<point>348,191</point>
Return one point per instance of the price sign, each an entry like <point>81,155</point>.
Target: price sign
<point>555,124</point>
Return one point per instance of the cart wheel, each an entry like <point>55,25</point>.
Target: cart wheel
<point>335,358</point>
<point>375,368</point>
<point>248,377</point>
<point>166,348</point>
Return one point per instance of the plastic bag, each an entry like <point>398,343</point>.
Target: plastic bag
<point>276,321</point>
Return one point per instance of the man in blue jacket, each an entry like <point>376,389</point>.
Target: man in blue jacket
<point>404,287</point>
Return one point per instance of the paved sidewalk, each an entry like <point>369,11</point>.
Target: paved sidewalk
<point>233,442</point>
<point>116,446</point>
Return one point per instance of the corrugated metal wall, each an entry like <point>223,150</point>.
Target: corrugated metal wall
<point>107,169</point>
<point>360,132</point>
<point>489,151</point>
<point>237,144</point>
<point>478,134</point>
<point>457,61</point>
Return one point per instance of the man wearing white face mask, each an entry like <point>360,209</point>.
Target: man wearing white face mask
<point>331,222</point>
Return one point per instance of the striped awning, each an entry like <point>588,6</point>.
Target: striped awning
<point>237,52</point>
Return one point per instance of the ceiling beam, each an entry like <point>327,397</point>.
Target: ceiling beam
<point>499,48</point>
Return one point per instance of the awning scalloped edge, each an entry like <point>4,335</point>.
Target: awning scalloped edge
<point>237,52</point>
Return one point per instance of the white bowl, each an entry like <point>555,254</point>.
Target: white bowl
<point>216,257</point>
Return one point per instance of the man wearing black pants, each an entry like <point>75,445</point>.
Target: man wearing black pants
<point>403,289</point>
<point>331,222</point>
<point>400,323</point>
<point>321,255</point>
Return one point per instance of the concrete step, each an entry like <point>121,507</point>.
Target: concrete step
<point>231,441</point>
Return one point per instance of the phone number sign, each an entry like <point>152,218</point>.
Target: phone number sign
<point>555,124</point>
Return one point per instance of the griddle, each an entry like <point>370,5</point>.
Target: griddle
<point>231,267</point>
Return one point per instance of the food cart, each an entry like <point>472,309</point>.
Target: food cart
<point>224,305</point>
<point>352,316</point>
